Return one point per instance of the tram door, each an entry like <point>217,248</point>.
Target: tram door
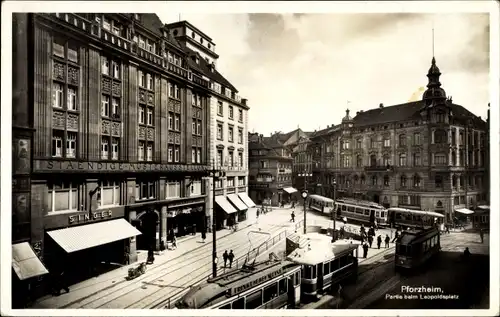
<point>291,292</point>
<point>372,216</point>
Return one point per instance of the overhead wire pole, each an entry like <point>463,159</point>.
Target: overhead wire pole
<point>214,173</point>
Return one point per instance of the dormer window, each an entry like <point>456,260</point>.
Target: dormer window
<point>201,40</point>
<point>192,34</point>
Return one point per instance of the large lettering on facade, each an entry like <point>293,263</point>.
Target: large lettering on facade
<point>63,165</point>
<point>90,217</point>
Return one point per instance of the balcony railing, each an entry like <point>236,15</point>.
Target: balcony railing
<point>387,168</point>
<point>177,70</point>
<point>200,81</point>
<point>232,168</point>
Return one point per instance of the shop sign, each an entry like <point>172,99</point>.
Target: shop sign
<point>62,165</point>
<point>94,216</point>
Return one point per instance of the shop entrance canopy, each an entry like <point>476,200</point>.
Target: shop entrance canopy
<point>25,262</point>
<point>87,236</point>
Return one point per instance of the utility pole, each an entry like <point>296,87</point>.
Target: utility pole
<point>214,173</point>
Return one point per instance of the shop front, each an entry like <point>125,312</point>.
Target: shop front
<point>225,213</point>
<point>241,208</point>
<point>290,194</point>
<point>247,200</point>
<point>185,221</point>
<point>84,244</point>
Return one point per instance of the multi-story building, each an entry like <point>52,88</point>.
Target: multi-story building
<point>228,122</point>
<point>428,154</point>
<point>270,170</point>
<point>111,126</point>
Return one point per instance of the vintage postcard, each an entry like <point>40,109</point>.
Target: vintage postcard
<point>320,158</point>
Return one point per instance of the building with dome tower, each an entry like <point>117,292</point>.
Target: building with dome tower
<point>429,154</point>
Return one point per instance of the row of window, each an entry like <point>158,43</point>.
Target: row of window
<point>230,132</point>
<point>58,92</point>
<point>113,71</point>
<point>220,111</point>
<point>229,160</point>
<point>230,182</point>
<point>66,195</point>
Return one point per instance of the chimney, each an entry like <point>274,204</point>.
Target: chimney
<point>212,67</point>
<point>357,112</point>
<point>381,105</point>
<point>361,111</point>
<point>347,112</point>
<point>244,101</point>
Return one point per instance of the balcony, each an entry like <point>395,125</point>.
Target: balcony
<point>229,168</point>
<point>149,56</point>
<point>116,40</point>
<point>379,168</point>
<point>265,180</point>
<point>177,70</point>
<point>198,80</point>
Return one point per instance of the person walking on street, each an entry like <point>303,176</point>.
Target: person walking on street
<point>362,229</point>
<point>293,217</point>
<point>481,234</point>
<point>258,212</point>
<point>344,220</point>
<point>447,226</point>
<point>396,236</point>
<point>387,240</point>
<point>379,241</point>
<point>365,250</point>
<point>225,256</point>
<point>370,240</point>
<point>231,258</point>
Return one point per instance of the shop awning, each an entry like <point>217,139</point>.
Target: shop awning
<point>249,202</point>
<point>25,262</point>
<point>87,236</point>
<point>225,204</point>
<point>237,201</point>
<point>289,190</point>
<point>484,207</point>
<point>464,211</point>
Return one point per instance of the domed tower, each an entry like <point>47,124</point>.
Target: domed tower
<point>347,122</point>
<point>437,107</point>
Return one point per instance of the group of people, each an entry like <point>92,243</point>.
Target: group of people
<point>367,239</point>
<point>228,257</point>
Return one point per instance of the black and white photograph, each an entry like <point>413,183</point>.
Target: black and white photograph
<point>168,157</point>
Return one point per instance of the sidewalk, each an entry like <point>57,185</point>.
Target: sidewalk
<point>84,290</point>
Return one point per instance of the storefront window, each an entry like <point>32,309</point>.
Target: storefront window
<point>62,196</point>
<point>110,193</point>
<point>196,188</point>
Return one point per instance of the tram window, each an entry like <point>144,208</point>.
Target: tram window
<point>270,292</point>
<point>359,211</point>
<point>254,300</point>
<point>326,268</point>
<point>344,207</point>
<point>367,212</point>
<point>382,214</point>
<point>297,278</point>
<point>377,214</point>
<point>282,286</point>
<point>350,209</point>
<point>307,271</point>
<point>398,216</point>
<point>314,271</point>
<point>239,303</point>
<point>334,265</point>
<point>227,306</point>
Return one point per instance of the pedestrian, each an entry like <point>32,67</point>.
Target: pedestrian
<point>345,220</point>
<point>376,225</point>
<point>379,241</point>
<point>370,240</point>
<point>466,253</point>
<point>396,236</point>
<point>258,212</point>
<point>231,258</point>
<point>225,256</point>
<point>365,250</point>
<point>342,232</point>
<point>293,204</point>
<point>362,229</point>
<point>293,217</point>
<point>447,228</point>
<point>127,256</point>
<point>174,242</point>
<point>371,232</point>
<point>387,239</point>
<point>481,234</point>
<point>162,246</point>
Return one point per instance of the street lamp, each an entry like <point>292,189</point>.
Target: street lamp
<point>304,196</point>
<point>334,210</point>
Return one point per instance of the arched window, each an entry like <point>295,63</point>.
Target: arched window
<point>373,160</point>
<point>402,159</point>
<point>386,180</point>
<point>403,180</point>
<point>440,117</point>
<point>402,140</point>
<point>416,181</point>
<point>359,160</point>
<point>440,136</point>
<point>374,180</point>
<point>439,204</point>
<point>387,160</point>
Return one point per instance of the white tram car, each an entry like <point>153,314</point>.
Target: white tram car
<point>362,211</point>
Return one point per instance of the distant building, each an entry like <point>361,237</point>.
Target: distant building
<point>270,169</point>
<point>430,154</point>
<point>228,126</point>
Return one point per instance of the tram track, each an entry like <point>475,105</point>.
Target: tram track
<point>148,283</point>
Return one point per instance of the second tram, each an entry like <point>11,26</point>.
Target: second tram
<point>362,211</point>
<point>320,203</point>
<point>403,218</point>
<point>415,246</point>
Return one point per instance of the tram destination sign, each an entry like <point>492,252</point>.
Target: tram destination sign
<point>48,166</point>
<point>256,280</point>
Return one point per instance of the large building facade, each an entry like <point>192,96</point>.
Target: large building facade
<point>228,126</point>
<point>428,155</point>
<point>110,121</point>
<point>270,170</point>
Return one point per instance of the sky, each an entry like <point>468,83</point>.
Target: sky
<point>305,70</point>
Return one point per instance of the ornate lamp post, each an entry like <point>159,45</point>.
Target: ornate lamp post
<point>334,213</point>
<point>304,196</point>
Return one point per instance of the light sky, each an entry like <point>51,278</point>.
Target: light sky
<point>302,69</point>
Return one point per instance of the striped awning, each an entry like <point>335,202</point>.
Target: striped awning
<point>237,201</point>
<point>25,262</point>
<point>249,202</point>
<point>87,236</point>
<point>225,204</point>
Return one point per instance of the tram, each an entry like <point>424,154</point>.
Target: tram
<point>325,265</point>
<point>270,284</point>
<point>320,203</point>
<point>415,246</point>
<point>362,211</point>
<point>404,218</point>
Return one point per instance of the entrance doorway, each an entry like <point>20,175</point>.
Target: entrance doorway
<point>147,223</point>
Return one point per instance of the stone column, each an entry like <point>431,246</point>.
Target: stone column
<point>132,215</point>
<point>163,224</point>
